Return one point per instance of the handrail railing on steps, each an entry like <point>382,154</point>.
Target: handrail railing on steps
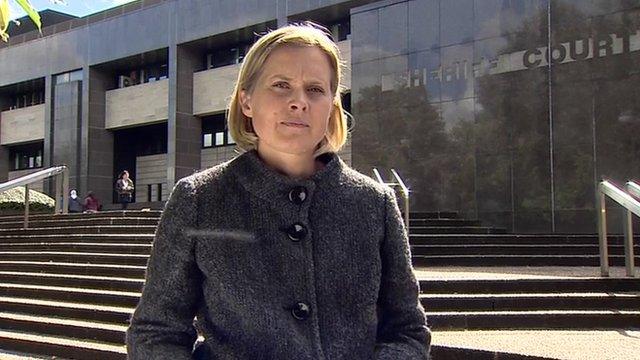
<point>61,189</point>
<point>632,206</point>
<point>403,190</point>
<point>633,188</point>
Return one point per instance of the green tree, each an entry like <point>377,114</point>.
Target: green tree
<point>5,16</point>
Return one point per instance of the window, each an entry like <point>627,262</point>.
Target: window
<point>26,156</point>
<point>215,132</point>
<point>227,56</point>
<point>26,99</point>
<point>341,29</point>
<point>219,138</point>
<point>68,77</point>
<point>207,140</point>
<point>149,73</point>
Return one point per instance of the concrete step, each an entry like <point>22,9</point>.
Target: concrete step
<point>36,217</point>
<point>52,267</point>
<point>75,257</point>
<point>513,260</point>
<point>433,215</point>
<point>108,248</point>
<point>516,239</point>
<point>79,238</point>
<point>561,319</point>
<point>74,222</point>
<point>89,230</point>
<point>530,302</point>
<point>456,230</point>
<point>60,347</point>
<point>519,249</point>
<point>67,310</point>
<point>73,281</point>
<point>68,294</point>
<point>443,222</point>
<point>548,285</point>
<point>77,329</point>
<point>440,352</point>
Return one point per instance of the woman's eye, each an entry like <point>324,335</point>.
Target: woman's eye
<point>317,90</point>
<point>281,85</point>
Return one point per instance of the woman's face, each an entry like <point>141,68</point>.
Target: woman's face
<point>291,101</point>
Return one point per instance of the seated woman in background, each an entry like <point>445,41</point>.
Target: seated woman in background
<point>284,252</point>
<point>75,206</point>
<point>91,203</point>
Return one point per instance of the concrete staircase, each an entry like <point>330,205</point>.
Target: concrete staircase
<point>69,284</point>
<point>442,239</point>
<point>551,302</point>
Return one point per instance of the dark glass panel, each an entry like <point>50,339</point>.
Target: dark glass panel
<point>393,30</point>
<point>423,25</point>
<point>456,25</point>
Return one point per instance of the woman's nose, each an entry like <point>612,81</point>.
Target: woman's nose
<point>298,101</point>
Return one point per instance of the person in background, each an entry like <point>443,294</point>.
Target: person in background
<point>284,252</point>
<point>124,188</point>
<point>75,206</point>
<point>91,203</point>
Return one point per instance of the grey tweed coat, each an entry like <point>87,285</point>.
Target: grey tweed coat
<point>277,268</point>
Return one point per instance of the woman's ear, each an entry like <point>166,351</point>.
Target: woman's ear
<point>245,103</point>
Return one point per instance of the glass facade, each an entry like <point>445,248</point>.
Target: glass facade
<point>505,110</point>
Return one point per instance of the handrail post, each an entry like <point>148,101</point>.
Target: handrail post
<point>65,191</point>
<point>57,181</point>
<point>602,232</point>
<point>628,244</point>
<point>405,195</point>
<point>26,206</point>
<point>629,259</point>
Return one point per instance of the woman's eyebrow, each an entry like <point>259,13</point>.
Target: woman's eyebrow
<point>280,76</point>
<point>312,81</point>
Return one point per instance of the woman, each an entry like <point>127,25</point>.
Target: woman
<point>75,206</point>
<point>284,252</point>
<point>124,188</point>
<point>91,203</point>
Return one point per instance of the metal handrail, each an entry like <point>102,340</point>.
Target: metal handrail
<point>632,206</point>
<point>403,190</point>
<point>633,188</point>
<point>61,190</point>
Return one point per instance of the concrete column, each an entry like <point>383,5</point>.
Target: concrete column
<point>47,152</point>
<point>96,143</point>
<point>5,164</point>
<point>281,13</point>
<point>66,128</point>
<point>184,129</point>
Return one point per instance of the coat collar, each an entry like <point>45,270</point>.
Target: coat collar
<point>268,184</point>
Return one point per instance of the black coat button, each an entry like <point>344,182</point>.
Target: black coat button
<point>301,311</point>
<point>297,232</point>
<point>298,195</point>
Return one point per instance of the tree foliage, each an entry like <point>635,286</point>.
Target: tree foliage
<point>5,16</point>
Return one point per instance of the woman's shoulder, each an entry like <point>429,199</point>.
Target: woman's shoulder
<point>356,181</point>
<point>207,177</point>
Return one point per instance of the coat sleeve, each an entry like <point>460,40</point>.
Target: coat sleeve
<point>162,324</point>
<point>402,327</point>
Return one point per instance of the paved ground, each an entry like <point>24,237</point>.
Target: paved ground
<point>570,345</point>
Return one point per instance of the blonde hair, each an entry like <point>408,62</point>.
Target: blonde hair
<point>304,34</point>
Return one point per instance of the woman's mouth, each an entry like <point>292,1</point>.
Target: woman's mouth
<point>295,124</point>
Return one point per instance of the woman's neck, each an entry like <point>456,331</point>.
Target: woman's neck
<point>296,166</point>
